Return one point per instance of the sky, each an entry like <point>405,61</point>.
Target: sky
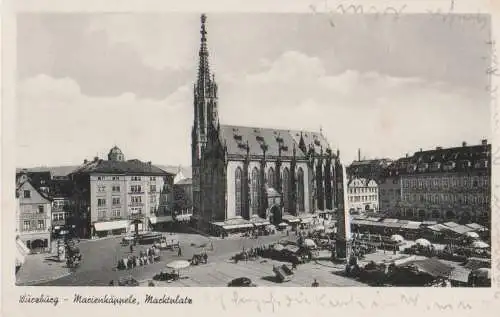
<point>87,82</point>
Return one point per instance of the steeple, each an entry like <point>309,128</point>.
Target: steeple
<point>203,68</point>
<point>206,120</point>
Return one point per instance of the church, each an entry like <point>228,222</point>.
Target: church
<point>249,176</point>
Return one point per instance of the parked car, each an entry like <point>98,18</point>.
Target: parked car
<point>241,282</point>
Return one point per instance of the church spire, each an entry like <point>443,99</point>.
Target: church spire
<point>203,68</point>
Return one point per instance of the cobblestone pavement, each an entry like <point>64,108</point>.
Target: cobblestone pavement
<point>260,272</point>
<point>101,256</point>
<point>39,268</point>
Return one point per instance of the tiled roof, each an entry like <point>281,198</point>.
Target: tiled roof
<point>237,137</point>
<point>452,159</point>
<point>54,170</point>
<point>130,167</point>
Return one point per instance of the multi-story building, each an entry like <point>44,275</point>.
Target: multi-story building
<point>451,184</point>
<point>362,195</point>
<point>389,190</point>
<point>368,169</point>
<point>115,196</point>
<point>33,217</point>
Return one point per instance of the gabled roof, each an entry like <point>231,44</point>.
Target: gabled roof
<point>237,137</point>
<point>130,167</point>
<point>31,187</point>
<point>53,170</point>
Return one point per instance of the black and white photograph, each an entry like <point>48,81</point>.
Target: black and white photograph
<point>252,149</point>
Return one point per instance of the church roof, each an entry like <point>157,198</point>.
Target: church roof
<point>237,137</point>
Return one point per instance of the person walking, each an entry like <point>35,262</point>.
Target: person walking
<point>179,253</point>
<point>131,248</point>
<point>315,283</point>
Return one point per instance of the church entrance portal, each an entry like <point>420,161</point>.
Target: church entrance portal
<point>275,216</point>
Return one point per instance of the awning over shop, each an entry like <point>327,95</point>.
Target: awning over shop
<point>235,223</point>
<point>160,219</point>
<point>438,228</point>
<point>184,217</point>
<point>290,218</point>
<point>451,224</point>
<point>460,229</point>
<point>412,225</point>
<point>257,221</point>
<point>111,225</point>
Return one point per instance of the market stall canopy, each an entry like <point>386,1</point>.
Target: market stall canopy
<point>290,218</point>
<point>309,243</point>
<point>480,245</point>
<point>483,273</point>
<point>476,226</point>
<point>423,242</point>
<point>258,221</point>
<point>278,247</point>
<point>432,267</point>
<point>472,234</point>
<point>178,265</point>
<point>283,224</point>
<point>397,238</point>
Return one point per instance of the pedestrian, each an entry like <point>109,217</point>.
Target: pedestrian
<point>112,283</point>
<point>179,253</point>
<point>131,248</point>
<point>315,283</point>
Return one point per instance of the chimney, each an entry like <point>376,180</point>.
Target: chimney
<point>464,144</point>
<point>420,149</point>
<point>484,142</point>
<point>359,154</point>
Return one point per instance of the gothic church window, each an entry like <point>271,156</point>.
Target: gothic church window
<point>255,191</point>
<point>238,189</point>
<point>270,177</point>
<point>286,186</point>
<point>300,189</point>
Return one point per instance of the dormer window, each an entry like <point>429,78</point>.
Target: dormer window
<point>481,164</point>
<point>436,166</point>
<point>448,166</point>
<point>423,167</point>
<point>412,168</point>
<point>465,164</point>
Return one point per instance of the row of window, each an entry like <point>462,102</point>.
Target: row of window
<point>101,202</point>
<point>450,198</point>
<point>363,198</point>
<point>28,209</point>
<point>61,216</point>
<point>117,213</point>
<point>255,189</point>
<point>133,188</point>
<point>362,190</point>
<point>117,178</point>
<point>30,226</point>
<point>433,182</point>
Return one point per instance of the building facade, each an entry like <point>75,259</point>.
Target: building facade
<point>362,195</point>
<point>250,172</point>
<point>452,184</point>
<point>115,196</point>
<point>33,219</point>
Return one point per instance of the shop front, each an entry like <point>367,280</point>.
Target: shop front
<point>36,242</point>
<point>105,228</point>
<point>235,226</point>
<point>161,223</point>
